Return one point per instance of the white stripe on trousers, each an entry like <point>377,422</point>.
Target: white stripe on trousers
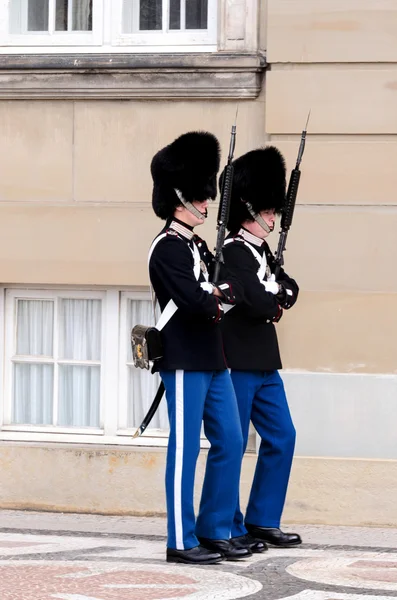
<point>178,459</point>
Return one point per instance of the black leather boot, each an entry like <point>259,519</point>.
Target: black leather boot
<point>194,556</point>
<point>247,541</point>
<point>225,547</point>
<point>274,536</point>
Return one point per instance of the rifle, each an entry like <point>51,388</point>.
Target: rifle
<point>224,204</point>
<point>288,212</point>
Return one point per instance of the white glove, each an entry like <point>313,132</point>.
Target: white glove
<point>271,286</point>
<point>207,287</point>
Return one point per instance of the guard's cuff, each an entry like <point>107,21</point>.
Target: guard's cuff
<point>226,290</point>
<point>220,312</point>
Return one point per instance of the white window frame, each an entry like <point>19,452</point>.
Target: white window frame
<point>167,37</point>
<point>10,344</point>
<point>54,38</point>
<point>107,36</point>
<point>113,395</point>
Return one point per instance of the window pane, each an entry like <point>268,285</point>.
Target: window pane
<point>80,329</point>
<point>28,15</point>
<point>142,387</point>
<point>196,14</point>
<point>61,15</point>
<point>139,312</point>
<point>35,322</point>
<point>150,15</point>
<point>37,15</point>
<point>79,394</point>
<point>32,394</point>
<point>82,15</point>
<point>175,14</point>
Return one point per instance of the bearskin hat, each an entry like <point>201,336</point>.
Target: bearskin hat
<point>260,179</point>
<point>190,164</point>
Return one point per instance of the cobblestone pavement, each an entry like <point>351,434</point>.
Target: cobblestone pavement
<point>87,557</point>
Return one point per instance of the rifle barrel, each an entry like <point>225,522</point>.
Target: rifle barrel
<point>288,213</point>
<point>224,204</point>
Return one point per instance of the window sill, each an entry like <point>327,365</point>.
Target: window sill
<point>155,438</point>
<point>131,76</point>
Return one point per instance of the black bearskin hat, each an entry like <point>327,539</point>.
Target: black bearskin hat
<point>260,179</point>
<point>189,164</point>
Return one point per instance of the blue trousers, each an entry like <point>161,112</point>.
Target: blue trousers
<point>261,399</point>
<point>194,397</point>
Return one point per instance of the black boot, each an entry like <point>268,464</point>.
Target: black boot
<point>274,536</point>
<point>194,556</point>
<point>247,541</point>
<point>225,547</point>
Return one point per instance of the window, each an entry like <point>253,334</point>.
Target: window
<point>55,349</point>
<point>46,16</point>
<point>136,383</point>
<point>178,15</point>
<point>109,24</point>
<point>56,362</point>
<point>167,22</point>
<point>54,22</point>
<point>68,367</point>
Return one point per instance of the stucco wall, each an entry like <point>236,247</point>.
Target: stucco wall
<point>75,209</point>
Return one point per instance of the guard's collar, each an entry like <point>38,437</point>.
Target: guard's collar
<point>250,237</point>
<point>182,228</point>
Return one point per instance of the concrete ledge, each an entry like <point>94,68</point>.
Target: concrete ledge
<point>130,481</point>
<point>150,61</point>
<point>341,491</point>
<point>126,76</point>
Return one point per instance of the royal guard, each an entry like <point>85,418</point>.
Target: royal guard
<point>193,368</point>
<point>250,341</point>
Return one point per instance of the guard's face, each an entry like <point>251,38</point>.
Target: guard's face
<point>269,216</point>
<point>202,207</point>
<point>183,214</point>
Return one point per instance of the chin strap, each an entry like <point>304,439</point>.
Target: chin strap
<point>190,206</point>
<point>257,217</point>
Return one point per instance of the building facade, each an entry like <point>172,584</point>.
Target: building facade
<point>89,91</point>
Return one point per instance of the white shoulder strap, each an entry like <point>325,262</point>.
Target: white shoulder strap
<point>260,259</point>
<point>154,244</point>
<point>197,259</point>
<point>166,315</point>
